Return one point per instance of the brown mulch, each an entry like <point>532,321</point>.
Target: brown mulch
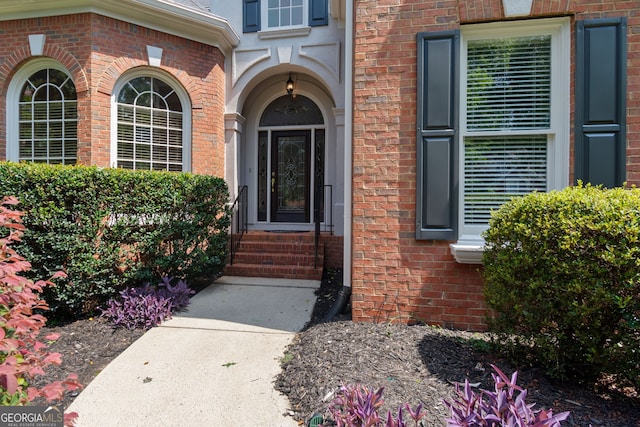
<point>414,364</point>
<point>87,346</point>
<point>421,364</point>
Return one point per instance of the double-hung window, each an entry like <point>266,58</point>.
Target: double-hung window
<point>506,131</point>
<point>514,121</point>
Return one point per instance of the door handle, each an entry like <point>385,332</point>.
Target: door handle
<point>273,182</point>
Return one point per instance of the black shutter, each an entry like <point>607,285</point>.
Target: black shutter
<point>251,16</point>
<point>437,139</point>
<point>600,126</point>
<point>318,13</point>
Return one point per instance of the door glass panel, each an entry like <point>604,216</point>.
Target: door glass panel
<point>263,176</point>
<point>290,111</point>
<point>291,182</point>
<point>319,173</point>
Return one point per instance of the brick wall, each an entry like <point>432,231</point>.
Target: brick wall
<point>394,276</point>
<point>97,50</point>
<point>333,250</point>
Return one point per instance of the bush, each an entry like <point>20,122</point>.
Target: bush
<point>109,229</point>
<point>22,356</point>
<point>562,275</point>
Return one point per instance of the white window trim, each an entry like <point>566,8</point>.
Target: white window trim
<point>13,95</point>
<point>186,112</point>
<point>281,33</point>
<point>470,245</point>
<point>264,12</point>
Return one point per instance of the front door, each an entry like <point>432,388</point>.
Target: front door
<point>290,176</point>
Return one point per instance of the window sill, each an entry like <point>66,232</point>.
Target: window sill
<point>284,33</point>
<point>467,252</point>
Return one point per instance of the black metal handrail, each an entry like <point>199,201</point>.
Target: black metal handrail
<point>239,221</point>
<point>319,215</point>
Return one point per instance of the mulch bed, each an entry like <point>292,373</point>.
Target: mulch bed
<point>87,346</point>
<point>421,364</point>
<point>414,364</point>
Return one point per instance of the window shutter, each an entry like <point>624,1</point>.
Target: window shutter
<point>318,13</point>
<point>601,101</point>
<point>251,16</point>
<point>437,138</point>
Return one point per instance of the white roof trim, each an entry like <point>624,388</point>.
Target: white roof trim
<point>160,15</point>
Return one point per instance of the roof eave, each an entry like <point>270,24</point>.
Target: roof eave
<point>159,15</point>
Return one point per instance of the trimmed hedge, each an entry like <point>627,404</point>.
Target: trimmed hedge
<point>562,273</point>
<point>109,229</point>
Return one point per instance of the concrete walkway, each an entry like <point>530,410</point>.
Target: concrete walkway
<point>213,365</point>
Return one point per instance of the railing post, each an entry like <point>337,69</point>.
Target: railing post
<point>318,194</point>
<point>239,220</point>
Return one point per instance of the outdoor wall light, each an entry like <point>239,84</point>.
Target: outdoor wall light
<point>289,85</point>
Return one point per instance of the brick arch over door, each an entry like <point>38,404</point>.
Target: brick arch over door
<point>121,65</point>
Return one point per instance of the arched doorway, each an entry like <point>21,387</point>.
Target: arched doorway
<point>291,161</point>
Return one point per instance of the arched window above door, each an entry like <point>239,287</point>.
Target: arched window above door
<point>292,111</point>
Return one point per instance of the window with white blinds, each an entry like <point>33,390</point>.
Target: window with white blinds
<point>497,169</point>
<point>149,126</point>
<point>509,83</point>
<point>48,118</point>
<point>507,122</point>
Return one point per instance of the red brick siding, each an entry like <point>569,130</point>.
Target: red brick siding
<point>97,50</point>
<point>394,276</point>
<point>333,250</point>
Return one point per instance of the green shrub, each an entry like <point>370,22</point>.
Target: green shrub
<point>562,274</point>
<point>109,229</point>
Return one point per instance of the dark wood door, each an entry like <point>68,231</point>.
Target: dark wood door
<point>290,176</point>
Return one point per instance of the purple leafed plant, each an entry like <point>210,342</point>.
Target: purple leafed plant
<point>357,406</point>
<point>504,407</point>
<point>179,294</point>
<point>148,306</point>
<point>137,309</point>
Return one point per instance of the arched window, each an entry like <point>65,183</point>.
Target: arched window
<point>45,129</point>
<point>152,125</point>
